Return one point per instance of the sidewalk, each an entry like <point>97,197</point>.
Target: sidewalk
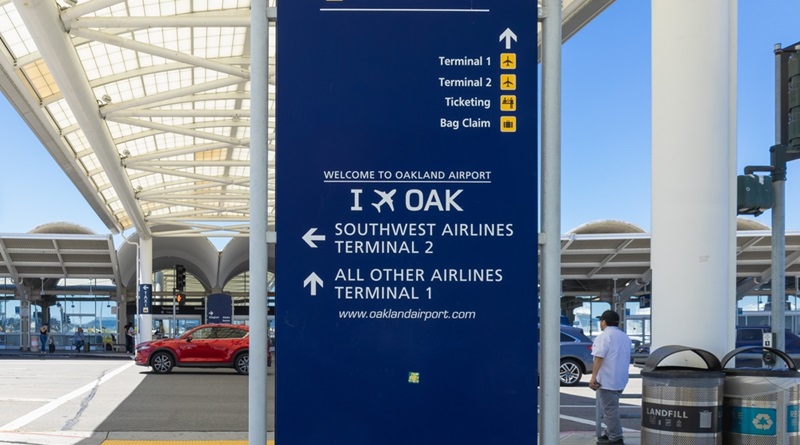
<point>65,353</point>
<point>588,438</point>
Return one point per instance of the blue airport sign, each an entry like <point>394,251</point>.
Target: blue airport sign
<point>219,308</point>
<point>145,298</point>
<point>407,215</point>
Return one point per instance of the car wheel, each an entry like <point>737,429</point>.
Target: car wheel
<point>242,363</point>
<point>162,363</point>
<point>570,372</point>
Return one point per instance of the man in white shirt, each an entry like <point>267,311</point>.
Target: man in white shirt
<point>612,357</point>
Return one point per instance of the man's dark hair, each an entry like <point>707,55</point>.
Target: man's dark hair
<point>610,317</point>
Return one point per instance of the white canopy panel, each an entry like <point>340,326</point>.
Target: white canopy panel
<point>144,104</point>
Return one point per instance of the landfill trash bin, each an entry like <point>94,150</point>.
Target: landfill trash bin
<point>681,405</point>
<point>761,404</point>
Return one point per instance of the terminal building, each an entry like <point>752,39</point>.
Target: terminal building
<point>64,275</point>
<point>67,276</point>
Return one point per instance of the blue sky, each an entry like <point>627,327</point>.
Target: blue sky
<point>35,190</point>
<point>606,109</point>
<point>605,124</point>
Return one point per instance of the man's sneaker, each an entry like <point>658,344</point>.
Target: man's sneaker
<point>607,441</point>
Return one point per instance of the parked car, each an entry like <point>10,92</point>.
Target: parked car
<point>576,355</point>
<point>208,345</point>
<point>754,336</point>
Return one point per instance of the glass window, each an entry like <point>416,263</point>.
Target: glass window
<point>750,334</point>
<point>230,333</point>
<point>204,333</point>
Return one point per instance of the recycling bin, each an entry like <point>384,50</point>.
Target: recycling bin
<point>682,405</point>
<point>761,405</point>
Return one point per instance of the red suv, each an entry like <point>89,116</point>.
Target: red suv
<point>208,345</point>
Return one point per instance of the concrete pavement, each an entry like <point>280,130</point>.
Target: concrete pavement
<point>181,438</point>
<point>588,438</point>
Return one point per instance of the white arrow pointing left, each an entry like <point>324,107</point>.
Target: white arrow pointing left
<point>310,237</point>
<point>314,280</point>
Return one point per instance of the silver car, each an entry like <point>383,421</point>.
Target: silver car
<point>576,355</point>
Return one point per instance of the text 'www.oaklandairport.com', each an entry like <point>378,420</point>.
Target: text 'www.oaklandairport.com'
<point>409,314</point>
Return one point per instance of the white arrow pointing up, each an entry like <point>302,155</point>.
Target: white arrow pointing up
<point>508,36</point>
<point>309,237</point>
<point>314,280</point>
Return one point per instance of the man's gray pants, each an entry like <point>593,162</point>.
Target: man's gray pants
<point>608,401</point>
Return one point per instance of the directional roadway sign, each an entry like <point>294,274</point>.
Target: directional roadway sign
<point>145,298</point>
<point>407,214</point>
<point>219,308</point>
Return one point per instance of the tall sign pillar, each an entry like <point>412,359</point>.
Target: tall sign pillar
<point>407,213</point>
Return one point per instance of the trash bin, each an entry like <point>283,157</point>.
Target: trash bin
<point>761,405</point>
<point>681,405</point>
<point>35,343</point>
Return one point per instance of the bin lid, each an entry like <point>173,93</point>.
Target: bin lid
<point>761,372</point>
<point>657,356</point>
<point>678,372</point>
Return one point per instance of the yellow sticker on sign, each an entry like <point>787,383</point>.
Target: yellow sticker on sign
<point>508,103</point>
<point>508,61</point>
<point>413,377</point>
<point>508,124</point>
<point>508,81</point>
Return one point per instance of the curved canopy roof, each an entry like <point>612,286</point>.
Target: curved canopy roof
<point>600,255</point>
<point>39,259</point>
<point>145,105</point>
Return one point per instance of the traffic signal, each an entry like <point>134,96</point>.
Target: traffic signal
<point>180,277</point>
<point>793,103</point>
<point>180,297</point>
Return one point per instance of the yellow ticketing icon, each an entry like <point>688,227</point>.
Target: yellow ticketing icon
<point>508,103</point>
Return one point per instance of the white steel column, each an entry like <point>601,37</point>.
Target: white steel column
<point>259,144</point>
<point>693,219</point>
<point>550,297</point>
<point>122,318</point>
<point>145,321</point>
<point>25,323</point>
<point>733,107</point>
